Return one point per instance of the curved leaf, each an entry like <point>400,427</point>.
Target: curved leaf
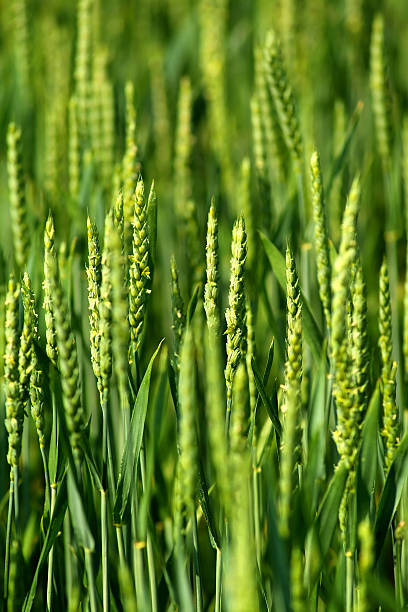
<point>133,444</point>
<point>391,494</point>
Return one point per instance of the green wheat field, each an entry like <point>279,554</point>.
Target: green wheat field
<point>204,305</point>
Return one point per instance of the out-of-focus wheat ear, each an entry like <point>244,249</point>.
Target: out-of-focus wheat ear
<point>271,131</point>
<point>15,599</point>
<point>258,140</point>
<point>103,93</point>
<point>321,238</point>
<point>83,64</point>
<point>391,422</point>
<point>354,18</point>
<point>49,270</point>
<point>235,313</point>
<point>182,153</point>
<point>213,20</point>
<point>68,364</point>
<point>74,162</point>
<point>297,571</point>
<point>336,199</point>
<point>21,44</point>
<point>116,180</point>
<point>161,122</point>
<point>366,563</point>
<point>130,163</point>
<point>287,30</point>
<point>283,97</point>
<point>379,92</point>
<point>16,188</point>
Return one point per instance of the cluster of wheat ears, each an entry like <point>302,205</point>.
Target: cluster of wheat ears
<point>204,318</point>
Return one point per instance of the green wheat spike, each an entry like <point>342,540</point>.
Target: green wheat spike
<point>235,313</point>
<point>391,424</point>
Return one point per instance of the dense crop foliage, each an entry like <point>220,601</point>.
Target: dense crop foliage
<point>204,305</point>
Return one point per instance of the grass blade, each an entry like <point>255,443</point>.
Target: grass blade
<point>133,444</point>
<point>391,494</point>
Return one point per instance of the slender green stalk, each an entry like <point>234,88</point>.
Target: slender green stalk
<point>8,540</point>
<point>196,563</point>
<point>105,551</point>
<point>51,553</point>
<point>256,511</point>
<point>241,570</point>
<point>121,549</point>
<point>218,581</point>
<point>349,581</point>
<point>149,543</point>
<point>91,581</point>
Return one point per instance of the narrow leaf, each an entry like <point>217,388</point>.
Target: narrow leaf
<point>329,509</point>
<point>83,534</point>
<point>133,444</point>
<point>270,408</point>
<point>192,305</point>
<point>367,464</point>
<point>54,528</point>
<point>207,507</point>
<point>339,161</point>
<point>391,494</point>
